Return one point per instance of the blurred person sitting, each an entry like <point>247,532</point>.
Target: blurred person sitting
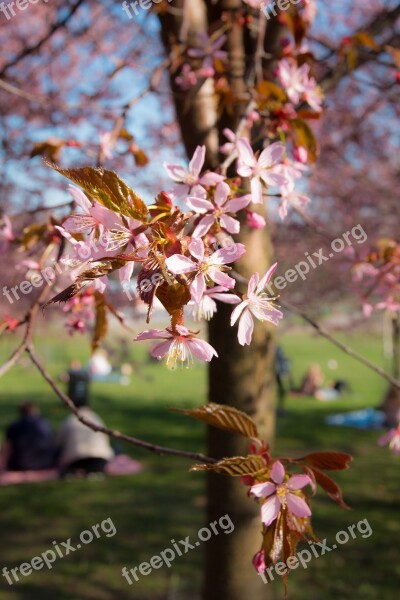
<point>30,442</point>
<point>83,451</point>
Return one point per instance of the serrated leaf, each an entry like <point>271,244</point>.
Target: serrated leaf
<point>224,417</point>
<point>365,39</point>
<point>101,269</point>
<point>267,90</point>
<point>235,467</point>
<point>107,188</point>
<point>330,487</point>
<point>329,461</point>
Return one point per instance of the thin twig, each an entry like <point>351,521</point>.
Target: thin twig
<point>160,450</point>
<point>326,334</point>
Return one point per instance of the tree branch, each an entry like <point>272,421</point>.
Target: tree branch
<point>326,334</point>
<point>160,450</point>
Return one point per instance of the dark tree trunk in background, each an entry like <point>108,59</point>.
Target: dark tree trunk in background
<point>241,377</point>
<point>391,403</point>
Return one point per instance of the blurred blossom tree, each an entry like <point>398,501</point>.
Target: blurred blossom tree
<point>289,122</point>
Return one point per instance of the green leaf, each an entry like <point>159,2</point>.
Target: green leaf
<point>108,189</point>
<point>224,417</point>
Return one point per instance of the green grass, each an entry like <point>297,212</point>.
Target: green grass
<point>165,501</point>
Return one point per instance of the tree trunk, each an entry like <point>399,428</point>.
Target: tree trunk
<point>391,403</point>
<point>241,377</point>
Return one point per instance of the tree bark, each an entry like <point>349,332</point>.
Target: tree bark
<point>241,377</point>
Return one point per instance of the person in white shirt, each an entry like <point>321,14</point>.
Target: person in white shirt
<point>81,450</point>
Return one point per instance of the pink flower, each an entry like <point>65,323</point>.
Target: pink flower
<point>207,307</point>
<point>262,169</point>
<point>107,144</point>
<point>187,78</point>
<point>298,84</point>
<point>254,220</point>
<point>258,304</point>
<point>92,218</point>
<point>230,146</point>
<point>217,212</point>
<point>205,268</point>
<point>391,438</point>
<point>259,561</point>
<point>293,198</point>
<point>188,178</point>
<point>209,50</point>
<point>293,79</point>
<point>310,10</point>
<point>281,494</point>
<point>180,345</point>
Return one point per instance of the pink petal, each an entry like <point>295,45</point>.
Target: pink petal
<point>297,482</point>
<point>263,490</point>
<point>79,223</point>
<point>202,350</point>
<point>244,170</point>
<point>80,198</point>
<point>221,278</point>
<point>271,155</point>
<point>160,350</point>
<point>246,154</point>
<point>256,190</point>
<point>229,134</point>
<point>199,205</point>
<point>246,328</point>
<point>278,472</point>
<point>179,264</point>
<point>271,178</point>
<point>197,288</point>
<point>230,224</point>
<point>153,334</point>
<point>204,226</point>
<point>221,194</point>
<point>253,283</point>
<point>227,255</point>
<point>237,203</point>
<point>270,510</point>
<point>197,162</point>
<point>238,311</point>
<point>226,298</point>
<point>211,179</point>
<point>297,505</point>
<point>196,248</point>
<point>267,278</point>
<point>125,273</point>
<point>176,172</point>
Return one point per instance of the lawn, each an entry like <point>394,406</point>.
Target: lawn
<point>165,501</point>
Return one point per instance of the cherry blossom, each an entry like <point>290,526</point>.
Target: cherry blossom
<point>216,213</point>
<point>230,146</point>
<point>291,198</point>
<point>298,84</point>
<point>205,267</point>
<point>391,439</point>
<point>209,50</point>
<point>207,307</point>
<point>187,78</point>
<point>254,220</point>
<point>187,179</point>
<point>256,304</point>
<point>281,494</point>
<point>93,218</point>
<point>179,346</point>
<point>262,169</point>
